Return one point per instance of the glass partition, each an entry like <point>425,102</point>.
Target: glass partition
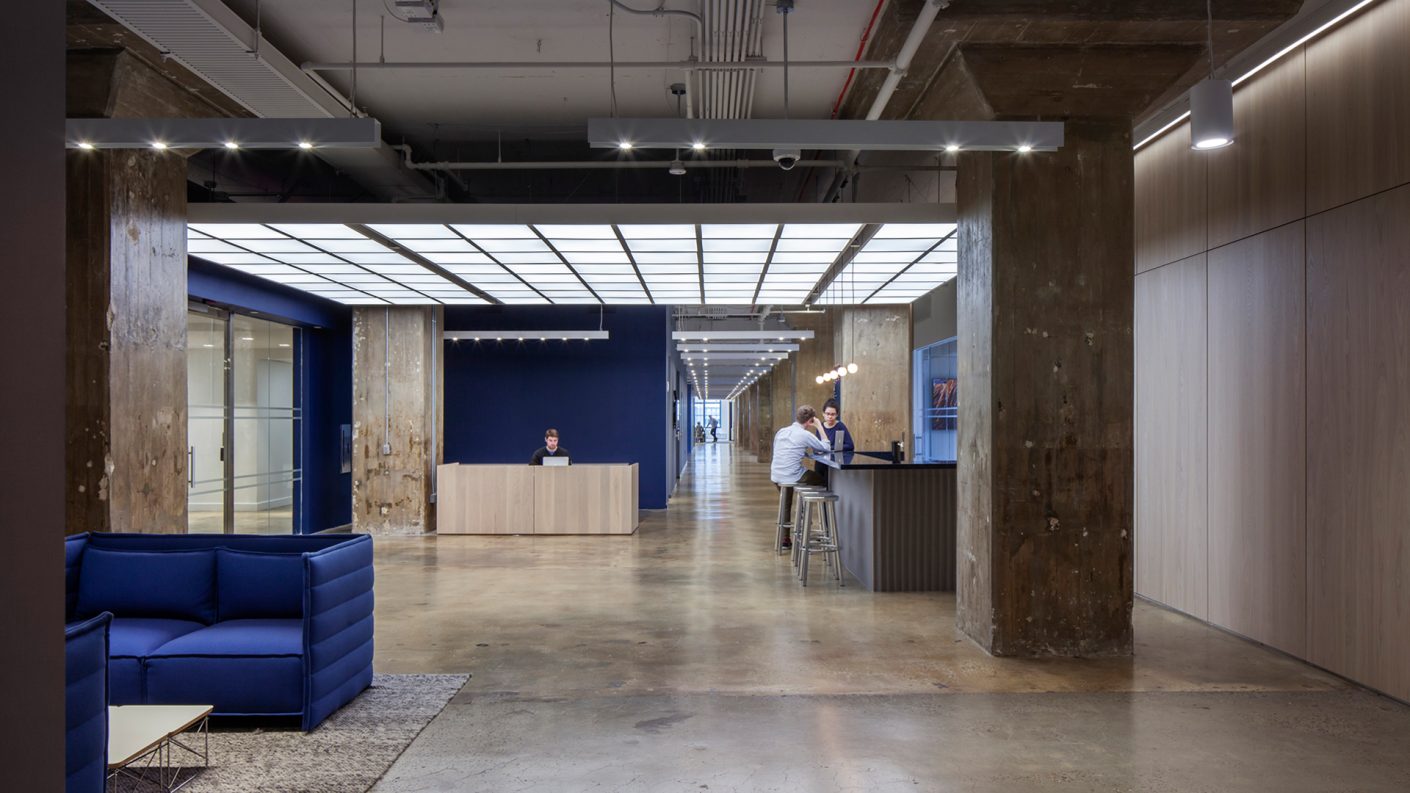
<point>243,387</point>
<point>936,401</point>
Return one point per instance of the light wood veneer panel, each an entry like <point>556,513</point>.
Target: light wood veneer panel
<point>1261,181</point>
<point>585,499</point>
<point>1170,199</point>
<point>485,499</point>
<point>1358,441</point>
<point>1257,443</point>
<point>1358,107</point>
<point>1172,533</point>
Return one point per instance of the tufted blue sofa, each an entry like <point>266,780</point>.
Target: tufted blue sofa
<point>255,626</point>
<point>86,705</point>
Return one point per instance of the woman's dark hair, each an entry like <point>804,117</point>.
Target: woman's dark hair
<point>832,403</point>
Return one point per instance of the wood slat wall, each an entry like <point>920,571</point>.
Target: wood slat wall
<point>1358,440</point>
<point>1257,455</point>
<point>1172,541</point>
<point>1308,346</point>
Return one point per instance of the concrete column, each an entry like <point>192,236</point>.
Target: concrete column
<point>814,356</point>
<point>126,331</point>
<point>397,418</point>
<point>1045,372</point>
<point>876,401</point>
<point>765,427</point>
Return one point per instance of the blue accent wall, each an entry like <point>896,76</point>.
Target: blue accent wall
<point>324,379</point>
<point>609,400</point>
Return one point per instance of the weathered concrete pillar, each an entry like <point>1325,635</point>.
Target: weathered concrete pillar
<point>125,454</point>
<point>397,418</point>
<point>876,401</point>
<point>814,357</point>
<point>766,425</point>
<point>1045,416</point>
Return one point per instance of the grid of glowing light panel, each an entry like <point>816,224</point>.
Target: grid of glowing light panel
<point>900,263</point>
<point>567,264</point>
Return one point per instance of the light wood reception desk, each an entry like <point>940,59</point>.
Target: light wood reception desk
<point>531,499</point>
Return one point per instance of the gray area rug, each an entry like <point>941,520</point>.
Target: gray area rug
<point>345,754</point>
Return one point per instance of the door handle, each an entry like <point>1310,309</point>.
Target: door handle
<point>190,467</point>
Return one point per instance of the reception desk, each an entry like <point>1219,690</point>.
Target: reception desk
<point>532,499</point>
<point>896,521</point>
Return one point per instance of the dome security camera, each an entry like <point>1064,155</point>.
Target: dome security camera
<point>787,158</point>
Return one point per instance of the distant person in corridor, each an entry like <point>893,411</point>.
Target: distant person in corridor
<point>714,430</point>
<point>550,448</point>
<point>791,444</point>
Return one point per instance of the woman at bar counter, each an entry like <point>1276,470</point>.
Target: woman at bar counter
<point>832,425</point>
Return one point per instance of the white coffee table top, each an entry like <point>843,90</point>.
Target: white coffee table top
<point>134,730</point>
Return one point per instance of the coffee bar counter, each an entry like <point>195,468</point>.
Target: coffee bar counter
<point>896,521</point>
<point>533,499</point>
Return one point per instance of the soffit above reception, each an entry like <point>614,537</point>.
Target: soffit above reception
<point>618,254</point>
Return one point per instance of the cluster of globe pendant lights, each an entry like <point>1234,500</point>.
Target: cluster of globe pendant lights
<point>833,374</point>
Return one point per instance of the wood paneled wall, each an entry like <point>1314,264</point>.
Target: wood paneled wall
<point>1172,539</point>
<point>1307,436</point>
<point>1257,386</point>
<point>1358,440</point>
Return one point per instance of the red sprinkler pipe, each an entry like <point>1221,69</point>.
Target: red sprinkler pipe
<point>861,50</point>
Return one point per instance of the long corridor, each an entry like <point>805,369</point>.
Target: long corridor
<point>687,657</point>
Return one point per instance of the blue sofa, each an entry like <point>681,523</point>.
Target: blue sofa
<point>86,705</point>
<point>255,626</point>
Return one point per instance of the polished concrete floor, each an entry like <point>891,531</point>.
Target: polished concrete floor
<point>687,657</point>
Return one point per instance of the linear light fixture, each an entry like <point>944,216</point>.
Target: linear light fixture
<point>514,334</point>
<point>224,133</point>
<point>831,134</point>
<point>1265,63</point>
<point>785,334</point>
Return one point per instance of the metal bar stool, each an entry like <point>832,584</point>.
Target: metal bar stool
<point>785,522</point>
<point>802,516</point>
<point>824,540</point>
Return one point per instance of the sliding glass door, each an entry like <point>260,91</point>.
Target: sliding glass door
<point>244,423</point>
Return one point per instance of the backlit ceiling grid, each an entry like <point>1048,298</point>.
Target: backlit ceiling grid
<point>584,264</point>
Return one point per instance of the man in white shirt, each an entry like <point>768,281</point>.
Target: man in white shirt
<point>791,444</point>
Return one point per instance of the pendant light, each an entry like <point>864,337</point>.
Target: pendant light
<point>1211,102</point>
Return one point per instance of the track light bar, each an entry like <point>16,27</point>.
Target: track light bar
<point>227,133</point>
<point>785,334</point>
<point>512,334</point>
<point>840,134</point>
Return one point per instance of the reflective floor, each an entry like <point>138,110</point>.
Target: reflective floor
<point>687,657</point>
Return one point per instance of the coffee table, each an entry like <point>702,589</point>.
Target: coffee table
<point>141,739</point>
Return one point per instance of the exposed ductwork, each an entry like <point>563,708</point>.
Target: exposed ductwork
<point>210,40</point>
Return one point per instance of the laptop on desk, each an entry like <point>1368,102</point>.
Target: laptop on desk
<point>555,461</point>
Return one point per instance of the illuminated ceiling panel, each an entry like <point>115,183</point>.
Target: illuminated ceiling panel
<point>716,263</point>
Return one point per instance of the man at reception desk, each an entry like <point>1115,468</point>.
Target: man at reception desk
<point>550,449</point>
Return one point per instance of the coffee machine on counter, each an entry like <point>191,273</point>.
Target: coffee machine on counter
<point>898,451</point>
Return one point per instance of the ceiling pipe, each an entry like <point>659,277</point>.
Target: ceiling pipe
<point>909,47</point>
<point>689,66</point>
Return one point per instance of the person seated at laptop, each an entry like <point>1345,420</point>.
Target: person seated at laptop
<point>550,448</point>
<point>791,445</point>
<point>832,425</point>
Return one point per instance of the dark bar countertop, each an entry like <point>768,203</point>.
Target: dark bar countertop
<point>871,461</point>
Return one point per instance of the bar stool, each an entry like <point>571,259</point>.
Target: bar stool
<point>824,540</point>
<point>785,522</point>
<point>801,516</point>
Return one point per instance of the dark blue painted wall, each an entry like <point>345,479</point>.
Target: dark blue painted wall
<point>324,377</point>
<point>609,400</point>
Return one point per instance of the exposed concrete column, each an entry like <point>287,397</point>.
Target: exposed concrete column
<point>814,356</point>
<point>397,418</point>
<point>1045,348</point>
<point>876,401</point>
<point>126,332</point>
<point>765,426</point>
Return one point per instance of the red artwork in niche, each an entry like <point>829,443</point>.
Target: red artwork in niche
<point>944,396</point>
